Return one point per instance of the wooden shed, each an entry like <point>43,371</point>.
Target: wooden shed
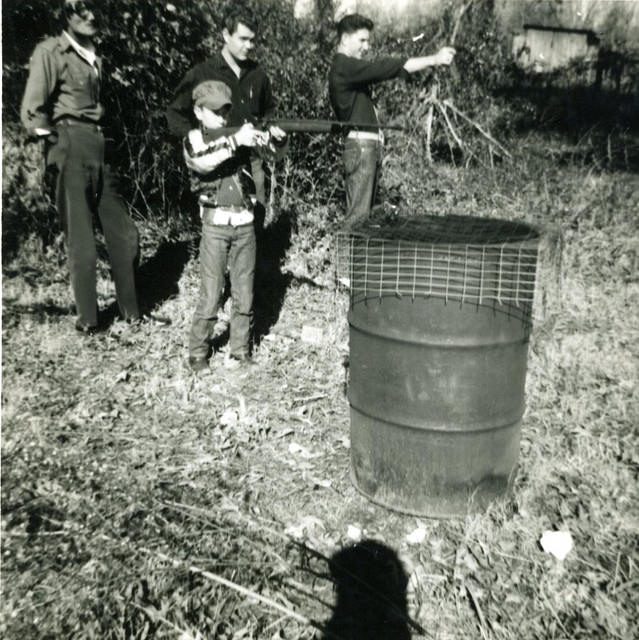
<point>545,48</point>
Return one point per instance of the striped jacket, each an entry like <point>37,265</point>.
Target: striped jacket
<point>220,170</point>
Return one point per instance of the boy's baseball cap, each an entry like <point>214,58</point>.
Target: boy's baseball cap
<point>212,94</point>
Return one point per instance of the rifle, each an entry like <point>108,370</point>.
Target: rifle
<point>332,127</point>
<point>321,126</point>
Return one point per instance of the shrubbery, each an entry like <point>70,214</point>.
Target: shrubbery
<point>149,45</point>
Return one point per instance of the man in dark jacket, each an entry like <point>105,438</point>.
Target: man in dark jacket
<point>62,106</point>
<point>350,79</point>
<point>250,88</point>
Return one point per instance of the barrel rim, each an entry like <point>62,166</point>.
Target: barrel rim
<point>450,229</point>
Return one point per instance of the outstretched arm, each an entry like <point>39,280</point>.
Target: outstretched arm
<point>443,57</point>
<point>202,157</point>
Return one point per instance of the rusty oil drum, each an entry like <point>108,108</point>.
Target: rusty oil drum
<point>439,326</point>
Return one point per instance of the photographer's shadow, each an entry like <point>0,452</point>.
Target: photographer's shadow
<point>370,584</point>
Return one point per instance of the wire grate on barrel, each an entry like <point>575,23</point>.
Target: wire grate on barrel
<point>481,261</point>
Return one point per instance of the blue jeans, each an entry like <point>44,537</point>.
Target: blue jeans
<point>221,245</point>
<point>362,160</point>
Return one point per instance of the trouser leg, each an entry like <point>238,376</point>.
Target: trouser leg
<point>214,247</point>
<point>361,159</point>
<point>259,180</point>
<point>242,273</point>
<point>121,238</point>
<point>74,189</point>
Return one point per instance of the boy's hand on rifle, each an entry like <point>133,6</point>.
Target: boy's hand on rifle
<point>445,55</point>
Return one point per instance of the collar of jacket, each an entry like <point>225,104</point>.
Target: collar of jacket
<point>218,62</point>
<point>86,54</point>
<point>66,42</point>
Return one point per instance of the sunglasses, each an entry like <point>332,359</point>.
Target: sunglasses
<point>82,8</point>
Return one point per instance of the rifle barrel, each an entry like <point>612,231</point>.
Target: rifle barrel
<point>325,126</point>
<point>294,125</point>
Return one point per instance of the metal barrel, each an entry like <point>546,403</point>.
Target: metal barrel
<point>439,326</point>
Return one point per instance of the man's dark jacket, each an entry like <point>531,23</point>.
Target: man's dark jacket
<point>251,93</point>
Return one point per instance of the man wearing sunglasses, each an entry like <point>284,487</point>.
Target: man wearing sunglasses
<point>252,97</point>
<point>62,106</point>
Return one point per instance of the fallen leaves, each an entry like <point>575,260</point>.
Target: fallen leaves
<point>307,527</point>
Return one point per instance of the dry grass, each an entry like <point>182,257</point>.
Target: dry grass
<point>129,486</point>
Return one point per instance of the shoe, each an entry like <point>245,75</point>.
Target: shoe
<point>235,361</point>
<point>149,318</point>
<point>198,364</point>
<point>85,329</point>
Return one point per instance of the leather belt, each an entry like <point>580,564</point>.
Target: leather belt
<point>226,216</point>
<point>365,135</point>
<point>72,122</point>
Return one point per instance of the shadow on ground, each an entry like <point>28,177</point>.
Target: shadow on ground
<point>370,584</point>
<point>271,284</point>
<point>157,279</point>
<point>603,120</point>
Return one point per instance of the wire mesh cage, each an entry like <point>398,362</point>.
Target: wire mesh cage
<point>479,261</point>
<point>439,320</point>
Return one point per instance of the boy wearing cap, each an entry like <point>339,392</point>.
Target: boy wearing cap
<point>250,86</point>
<point>220,162</point>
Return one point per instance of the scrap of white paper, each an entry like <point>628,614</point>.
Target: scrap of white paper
<point>354,533</point>
<point>557,543</point>
<point>312,335</point>
<point>417,536</point>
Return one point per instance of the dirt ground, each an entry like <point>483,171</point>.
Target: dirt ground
<point>131,488</point>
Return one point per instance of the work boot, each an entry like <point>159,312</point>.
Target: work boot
<point>238,361</point>
<point>85,329</point>
<point>198,365</point>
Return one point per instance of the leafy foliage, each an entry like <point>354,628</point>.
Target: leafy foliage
<point>149,45</point>
<point>122,474</point>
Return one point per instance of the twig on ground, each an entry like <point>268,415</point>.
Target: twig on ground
<point>249,593</point>
<point>480,615</point>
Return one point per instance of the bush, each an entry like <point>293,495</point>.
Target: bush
<point>149,45</point>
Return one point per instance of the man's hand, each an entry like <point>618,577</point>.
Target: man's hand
<point>445,55</point>
<point>277,133</point>
<point>249,136</point>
